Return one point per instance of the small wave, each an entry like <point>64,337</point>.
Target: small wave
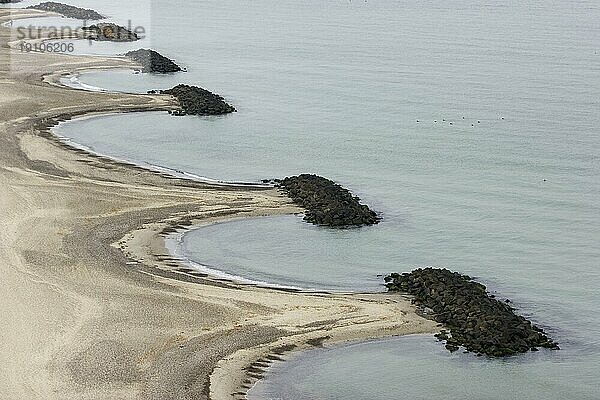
<point>74,82</point>
<point>149,166</point>
<point>174,244</point>
<point>200,178</point>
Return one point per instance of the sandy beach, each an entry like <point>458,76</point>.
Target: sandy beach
<point>93,307</point>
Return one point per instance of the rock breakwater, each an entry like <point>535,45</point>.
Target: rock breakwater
<point>476,320</point>
<point>326,202</point>
<point>68,10</point>
<point>153,62</point>
<point>197,101</point>
<point>108,32</point>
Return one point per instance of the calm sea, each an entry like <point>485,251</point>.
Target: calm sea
<point>473,127</point>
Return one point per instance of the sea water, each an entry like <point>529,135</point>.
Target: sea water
<point>471,127</point>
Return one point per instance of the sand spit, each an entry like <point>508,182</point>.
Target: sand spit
<point>92,305</point>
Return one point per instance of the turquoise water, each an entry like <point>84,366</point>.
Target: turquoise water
<point>365,94</point>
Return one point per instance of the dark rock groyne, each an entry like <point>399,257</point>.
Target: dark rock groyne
<point>326,202</point>
<point>197,101</point>
<point>153,62</point>
<point>68,10</point>
<point>477,321</point>
<point>108,32</point>
<point>9,1</point>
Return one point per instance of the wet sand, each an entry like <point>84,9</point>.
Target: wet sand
<point>92,305</point>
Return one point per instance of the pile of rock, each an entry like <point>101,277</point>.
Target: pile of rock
<point>197,101</point>
<point>326,202</point>
<point>153,62</point>
<point>68,11</point>
<point>108,32</point>
<point>476,320</point>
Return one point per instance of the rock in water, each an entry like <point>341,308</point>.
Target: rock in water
<point>106,32</point>
<point>68,11</point>
<point>326,202</point>
<point>476,320</point>
<point>153,62</point>
<point>197,101</point>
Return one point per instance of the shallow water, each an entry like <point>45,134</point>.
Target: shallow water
<point>417,368</point>
<point>364,93</point>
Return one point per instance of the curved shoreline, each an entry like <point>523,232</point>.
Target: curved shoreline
<point>75,83</point>
<point>160,169</point>
<point>213,272</point>
<point>296,355</point>
<point>239,371</point>
<point>176,334</point>
<point>174,243</point>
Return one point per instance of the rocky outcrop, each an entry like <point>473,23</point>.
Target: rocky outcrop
<point>68,11</point>
<point>476,320</point>
<point>326,202</point>
<point>107,32</point>
<point>197,101</point>
<point>9,1</point>
<point>153,62</point>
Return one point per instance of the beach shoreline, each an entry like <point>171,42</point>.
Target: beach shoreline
<point>93,308</point>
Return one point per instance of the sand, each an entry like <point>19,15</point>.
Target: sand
<point>92,306</point>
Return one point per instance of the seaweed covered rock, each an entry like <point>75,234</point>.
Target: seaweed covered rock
<point>108,32</point>
<point>68,10</point>
<point>476,320</point>
<point>326,202</point>
<point>197,101</point>
<point>153,62</point>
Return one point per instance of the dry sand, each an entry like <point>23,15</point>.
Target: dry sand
<point>92,306</point>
